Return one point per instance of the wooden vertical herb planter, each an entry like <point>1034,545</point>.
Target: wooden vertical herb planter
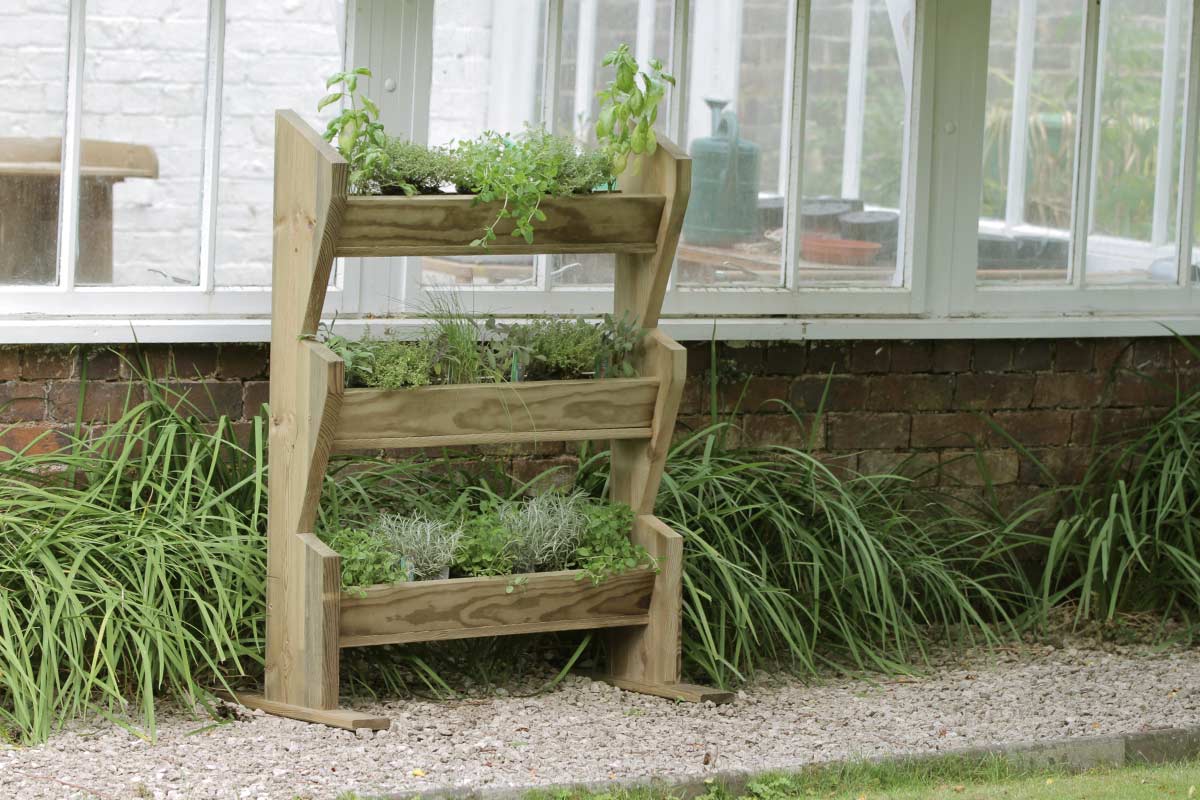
<point>308,617</point>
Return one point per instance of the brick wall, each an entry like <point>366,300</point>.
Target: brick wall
<point>929,403</point>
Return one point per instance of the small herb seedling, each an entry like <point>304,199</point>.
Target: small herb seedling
<point>357,130</point>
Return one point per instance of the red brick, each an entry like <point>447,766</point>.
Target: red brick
<point>958,429</point>
<point>545,474</point>
<point>695,398</point>
<point>1073,355</point>
<point>868,431</point>
<point>182,361</point>
<point>747,357</point>
<point>254,395</point>
<point>805,431</point>
<point>103,364</point>
<point>1151,354</point>
<point>1035,427</point>
<point>1185,354</point>
<point>1133,389</point>
<point>699,357</point>
<point>1109,424</point>
<point>1033,355</point>
<point>756,395</point>
<point>10,363</point>
<point>826,357</point>
<point>838,392</point>
<point>102,402</point>
<point>786,358</point>
<point>1066,465</point>
<point>980,467</point>
<point>1111,353</point>
<point>47,362</point>
<point>921,468</point>
<point>992,356</point>
<point>208,399</point>
<point>245,361</point>
<point>1068,389</point>
<point>912,357</point>
<point>22,401</point>
<point>951,355</point>
<point>983,391</point>
<point>33,439</point>
<point>910,392</point>
<point>869,356</point>
<point>842,465</point>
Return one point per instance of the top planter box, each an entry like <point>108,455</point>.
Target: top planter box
<point>445,225</point>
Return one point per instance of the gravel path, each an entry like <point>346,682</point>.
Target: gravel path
<point>589,732</point>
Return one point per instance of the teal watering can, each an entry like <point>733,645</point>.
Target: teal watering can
<point>723,207</point>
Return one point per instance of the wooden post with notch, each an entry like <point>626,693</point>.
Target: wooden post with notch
<point>309,618</point>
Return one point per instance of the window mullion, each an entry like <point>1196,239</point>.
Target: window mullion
<point>677,95</point>
<point>1085,140</point>
<point>794,124</point>
<point>211,167</point>
<point>1187,163</point>
<point>856,99</point>
<point>1018,146</point>
<point>72,144</point>
<point>1164,150</point>
<point>551,64</point>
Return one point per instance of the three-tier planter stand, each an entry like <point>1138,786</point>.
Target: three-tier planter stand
<point>309,618</point>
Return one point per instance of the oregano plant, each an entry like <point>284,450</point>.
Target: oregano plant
<point>629,108</point>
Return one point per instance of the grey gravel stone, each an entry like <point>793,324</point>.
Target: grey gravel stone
<point>585,733</point>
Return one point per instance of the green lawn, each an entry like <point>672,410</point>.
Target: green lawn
<point>952,780</point>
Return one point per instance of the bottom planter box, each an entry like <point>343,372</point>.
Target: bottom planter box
<point>460,608</point>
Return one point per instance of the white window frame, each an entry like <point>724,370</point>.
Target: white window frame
<point>1082,293</point>
<point>939,295</point>
<point>20,304</point>
<point>541,297</point>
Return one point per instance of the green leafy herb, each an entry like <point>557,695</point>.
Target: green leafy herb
<point>629,108</point>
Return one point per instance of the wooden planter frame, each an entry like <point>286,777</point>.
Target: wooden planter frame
<point>309,618</point>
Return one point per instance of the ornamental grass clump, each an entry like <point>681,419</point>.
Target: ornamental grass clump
<point>131,563</point>
<point>1127,537</point>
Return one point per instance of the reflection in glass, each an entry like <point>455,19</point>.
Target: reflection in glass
<point>33,77</point>
<point>1139,119</point>
<point>139,192</point>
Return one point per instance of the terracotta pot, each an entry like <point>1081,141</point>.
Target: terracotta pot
<point>843,252</point>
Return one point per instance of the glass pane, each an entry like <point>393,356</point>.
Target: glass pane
<point>1139,109</point>
<point>591,29</point>
<point>33,70</point>
<point>1033,74</point>
<point>487,74</point>
<point>263,73</point>
<point>734,229</point>
<point>143,129</point>
<point>859,82</point>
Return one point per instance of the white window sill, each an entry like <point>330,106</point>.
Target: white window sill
<point>228,330</point>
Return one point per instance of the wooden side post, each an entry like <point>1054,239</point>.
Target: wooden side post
<point>647,659</point>
<point>306,390</point>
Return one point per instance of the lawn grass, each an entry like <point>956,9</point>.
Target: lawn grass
<point>935,779</point>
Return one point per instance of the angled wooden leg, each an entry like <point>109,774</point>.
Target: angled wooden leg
<point>647,659</point>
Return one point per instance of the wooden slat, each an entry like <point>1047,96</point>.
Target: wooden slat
<point>334,717</point>
<point>683,692</point>
<point>440,225</point>
<point>443,416</point>
<point>466,607</point>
